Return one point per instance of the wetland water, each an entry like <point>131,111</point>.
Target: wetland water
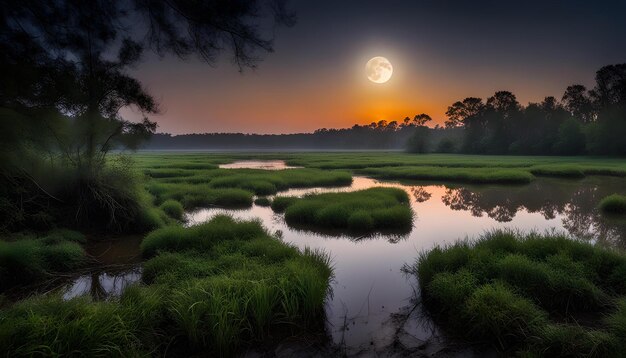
<point>370,292</point>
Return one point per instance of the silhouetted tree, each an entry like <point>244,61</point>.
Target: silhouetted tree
<point>421,119</point>
<point>419,141</point>
<point>64,78</point>
<point>606,135</point>
<point>578,102</point>
<point>460,112</point>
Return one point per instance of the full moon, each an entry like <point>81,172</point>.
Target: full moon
<point>379,69</point>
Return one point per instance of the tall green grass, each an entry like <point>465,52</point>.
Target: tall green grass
<point>363,211</point>
<point>173,209</point>
<point>507,289</point>
<point>211,289</point>
<point>199,237</point>
<point>50,326</point>
<point>231,282</point>
<point>193,196</point>
<point>26,259</point>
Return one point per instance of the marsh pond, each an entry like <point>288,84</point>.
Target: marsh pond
<point>372,304</point>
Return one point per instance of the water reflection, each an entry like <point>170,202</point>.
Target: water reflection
<point>102,285</point>
<point>258,164</point>
<point>574,202</point>
<point>117,265</point>
<point>370,291</point>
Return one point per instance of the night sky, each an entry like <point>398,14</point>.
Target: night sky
<point>442,51</point>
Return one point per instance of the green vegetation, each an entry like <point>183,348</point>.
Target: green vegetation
<point>391,166</point>
<point>472,175</point>
<point>25,259</point>
<point>262,201</point>
<point>173,209</point>
<point>369,210</point>
<point>528,294</point>
<point>615,204</point>
<point>264,182</point>
<point>257,181</point>
<point>211,289</point>
<point>194,180</point>
<point>194,196</point>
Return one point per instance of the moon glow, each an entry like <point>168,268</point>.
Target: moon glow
<point>379,69</point>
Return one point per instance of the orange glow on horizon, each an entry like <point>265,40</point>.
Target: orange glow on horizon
<point>273,100</point>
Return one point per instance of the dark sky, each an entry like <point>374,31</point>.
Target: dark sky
<point>441,51</point>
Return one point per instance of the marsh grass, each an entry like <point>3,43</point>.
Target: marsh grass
<point>614,204</point>
<point>28,258</point>
<point>265,182</point>
<point>564,171</point>
<point>364,211</point>
<point>468,175</point>
<point>508,289</point>
<point>211,289</point>
<point>173,209</point>
<point>262,201</point>
<point>232,283</point>
<point>194,196</point>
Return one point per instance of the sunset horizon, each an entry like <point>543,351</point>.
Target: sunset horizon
<point>316,78</point>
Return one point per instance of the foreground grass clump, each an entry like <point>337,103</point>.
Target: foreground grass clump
<point>211,290</point>
<point>25,259</point>
<point>50,326</point>
<point>375,209</point>
<point>173,209</point>
<point>615,204</point>
<point>232,283</point>
<point>528,294</point>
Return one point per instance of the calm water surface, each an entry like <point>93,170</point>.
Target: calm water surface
<point>118,265</point>
<point>370,293</point>
<point>258,164</point>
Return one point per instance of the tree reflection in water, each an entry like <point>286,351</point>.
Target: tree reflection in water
<point>575,201</point>
<point>101,285</point>
<point>420,194</point>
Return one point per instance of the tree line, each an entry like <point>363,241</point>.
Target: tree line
<point>582,122</point>
<point>381,135</point>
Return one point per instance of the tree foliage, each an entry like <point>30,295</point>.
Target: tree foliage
<point>583,122</point>
<point>64,77</point>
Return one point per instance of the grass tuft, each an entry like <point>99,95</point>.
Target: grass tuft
<point>262,201</point>
<point>527,293</point>
<point>375,209</point>
<point>614,204</point>
<point>28,259</point>
<point>173,209</point>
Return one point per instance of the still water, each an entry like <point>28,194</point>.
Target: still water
<point>118,265</point>
<point>370,292</point>
<point>371,296</point>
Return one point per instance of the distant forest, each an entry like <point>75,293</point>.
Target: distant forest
<point>581,122</point>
